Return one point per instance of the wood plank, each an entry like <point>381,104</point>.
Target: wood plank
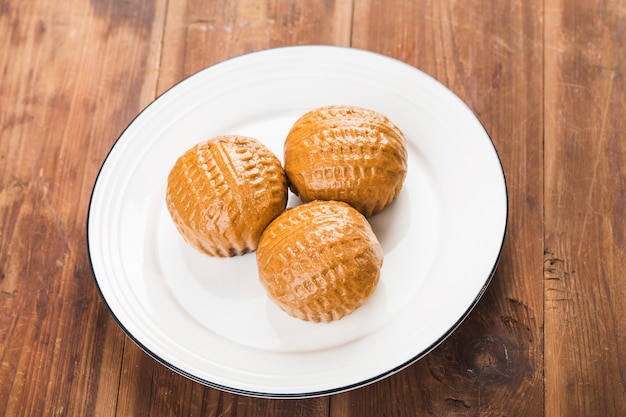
<point>199,34</point>
<point>490,54</point>
<point>66,70</point>
<point>150,389</point>
<point>585,206</point>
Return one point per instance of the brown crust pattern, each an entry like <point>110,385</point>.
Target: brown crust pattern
<point>319,261</point>
<point>346,153</point>
<point>222,193</point>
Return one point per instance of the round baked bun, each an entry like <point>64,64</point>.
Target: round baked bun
<point>222,193</point>
<point>348,154</point>
<point>319,261</point>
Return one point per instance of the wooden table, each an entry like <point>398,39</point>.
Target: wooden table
<point>547,78</point>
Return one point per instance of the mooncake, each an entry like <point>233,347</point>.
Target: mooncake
<point>319,261</point>
<point>348,154</point>
<point>222,193</point>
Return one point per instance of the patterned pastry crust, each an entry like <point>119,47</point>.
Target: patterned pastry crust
<point>222,194</point>
<point>319,261</point>
<point>348,154</point>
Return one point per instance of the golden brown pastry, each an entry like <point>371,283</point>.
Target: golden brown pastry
<point>222,193</point>
<point>319,261</point>
<point>347,154</point>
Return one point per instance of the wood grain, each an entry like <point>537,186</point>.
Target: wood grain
<point>200,34</point>
<point>61,65</point>
<point>545,77</point>
<point>585,208</point>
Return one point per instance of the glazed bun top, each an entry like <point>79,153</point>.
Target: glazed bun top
<point>348,154</point>
<point>319,261</point>
<point>222,193</point>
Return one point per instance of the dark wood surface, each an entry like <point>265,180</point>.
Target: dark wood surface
<point>545,77</point>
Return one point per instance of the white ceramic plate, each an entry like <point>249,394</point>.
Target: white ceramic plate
<point>210,319</point>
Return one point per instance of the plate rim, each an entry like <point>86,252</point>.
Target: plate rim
<point>307,394</point>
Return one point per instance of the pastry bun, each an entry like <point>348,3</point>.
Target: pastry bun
<point>348,154</point>
<point>319,261</point>
<point>222,193</point>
